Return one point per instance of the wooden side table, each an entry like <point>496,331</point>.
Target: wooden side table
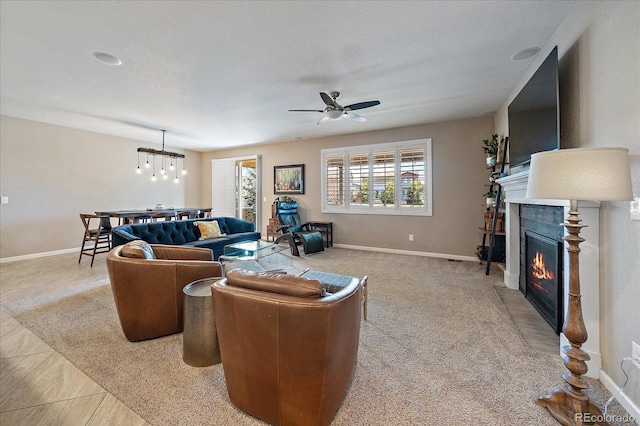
<point>273,225</point>
<point>326,229</point>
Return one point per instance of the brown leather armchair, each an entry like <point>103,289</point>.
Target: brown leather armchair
<point>288,348</point>
<point>147,283</point>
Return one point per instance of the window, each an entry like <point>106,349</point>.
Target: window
<point>393,178</point>
<point>359,179</point>
<point>334,180</point>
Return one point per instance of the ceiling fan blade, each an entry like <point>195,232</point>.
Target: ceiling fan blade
<point>354,116</point>
<point>329,100</point>
<point>361,105</point>
<point>323,119</point>
<point>306,110</point>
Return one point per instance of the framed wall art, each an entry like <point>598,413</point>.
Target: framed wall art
<point>288,179</point>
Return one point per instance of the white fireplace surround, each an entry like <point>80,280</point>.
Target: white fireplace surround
<point>515,187</point>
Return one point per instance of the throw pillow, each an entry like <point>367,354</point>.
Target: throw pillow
<point>138,249</point>
<point>209,229</point>
<point>289,285</point>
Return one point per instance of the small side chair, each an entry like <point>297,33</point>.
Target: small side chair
<point>99,238</point>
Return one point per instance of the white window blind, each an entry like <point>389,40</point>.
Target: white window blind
<point>334,181</point>
<point>359,179</point>
<point>384,179</point>
<point>223,187</point>
<point>392,178</point>
<point>412,177</point>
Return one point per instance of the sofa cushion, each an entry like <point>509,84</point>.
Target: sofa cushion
<point>289,285</point>
<point>137,249</point>
<point>209,229</point>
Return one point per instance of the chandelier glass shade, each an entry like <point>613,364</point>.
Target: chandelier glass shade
<point>165,157</point>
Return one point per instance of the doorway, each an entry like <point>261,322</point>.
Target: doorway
<point>235,188</point>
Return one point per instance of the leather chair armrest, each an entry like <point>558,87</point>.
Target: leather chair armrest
<point>188,271</point>
<point>284,229</point>
<point>170,252</point>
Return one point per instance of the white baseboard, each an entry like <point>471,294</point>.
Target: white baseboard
<point>36,255</point>
<point>512,281</point>
<point>621,397</point>
<point>409,252</point>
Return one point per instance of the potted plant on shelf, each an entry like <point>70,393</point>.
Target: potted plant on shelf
<point>490,148</point>
<point>491,198</point>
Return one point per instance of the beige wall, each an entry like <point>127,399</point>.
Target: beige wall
<point>52,173</point>
<point>459,172</point>
<point>599,53</point>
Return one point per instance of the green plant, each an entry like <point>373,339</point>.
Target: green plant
<point>364,191</point>
<point>490,194</point>
<point>249,186</point>
<point>491,146</point>
<point>415,193</point>
<point>387,195</point>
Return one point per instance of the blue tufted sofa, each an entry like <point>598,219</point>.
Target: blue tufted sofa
<point>186,233</point>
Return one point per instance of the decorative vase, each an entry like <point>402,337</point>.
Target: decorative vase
<point>491,202</point>
<point>491,161</point>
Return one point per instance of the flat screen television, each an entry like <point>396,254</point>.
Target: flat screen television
<point>534,117</point>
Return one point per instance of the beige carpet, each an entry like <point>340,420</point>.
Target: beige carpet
<point>439,349</point>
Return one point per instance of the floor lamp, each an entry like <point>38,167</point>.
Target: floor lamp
<point>601,174</point>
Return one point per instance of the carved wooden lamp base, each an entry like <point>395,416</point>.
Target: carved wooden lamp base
<point>569,405</point>
<point>577,174</point>
<point>571,410</point>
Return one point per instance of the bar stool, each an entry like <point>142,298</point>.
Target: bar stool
<point>100,237</point>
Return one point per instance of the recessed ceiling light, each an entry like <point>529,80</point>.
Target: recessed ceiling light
<point>106,58</point>
<point>525,54</point>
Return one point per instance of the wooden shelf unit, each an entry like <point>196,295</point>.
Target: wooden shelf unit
<point>493,216</point>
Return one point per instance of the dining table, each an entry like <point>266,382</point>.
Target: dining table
<point>137,215</point>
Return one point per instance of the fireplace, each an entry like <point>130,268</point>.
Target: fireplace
<point>543,277</point>
<point>541,260</point>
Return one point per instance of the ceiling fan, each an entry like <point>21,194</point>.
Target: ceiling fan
<point>335,111</point>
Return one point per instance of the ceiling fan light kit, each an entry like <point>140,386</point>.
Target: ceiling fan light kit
<point>335,111</point>
<point>334,114</point>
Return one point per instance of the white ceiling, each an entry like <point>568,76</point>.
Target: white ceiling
<point>217,74</point>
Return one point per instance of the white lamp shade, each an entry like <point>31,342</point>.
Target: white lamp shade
<point>334,114</point>
<point>601,174</point>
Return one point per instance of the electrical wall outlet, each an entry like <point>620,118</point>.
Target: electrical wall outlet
<point>410,237</point>
<point>635,354</point>
<point>635,208</point>
<point>4,200</point>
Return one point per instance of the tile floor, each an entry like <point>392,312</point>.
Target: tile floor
<point>38,386</point>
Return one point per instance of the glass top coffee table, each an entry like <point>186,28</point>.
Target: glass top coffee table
<point>252,250</point>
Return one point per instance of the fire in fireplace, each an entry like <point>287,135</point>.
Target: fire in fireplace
<point>544,277</point>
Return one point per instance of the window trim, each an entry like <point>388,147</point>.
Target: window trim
<point>398,208</point>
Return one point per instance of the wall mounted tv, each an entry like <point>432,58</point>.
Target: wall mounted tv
<point>534,117</point>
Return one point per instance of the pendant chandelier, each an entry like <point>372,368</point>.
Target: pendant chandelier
<point>167,159</point>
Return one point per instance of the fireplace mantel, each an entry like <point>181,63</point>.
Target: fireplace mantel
<point>515,188</point>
